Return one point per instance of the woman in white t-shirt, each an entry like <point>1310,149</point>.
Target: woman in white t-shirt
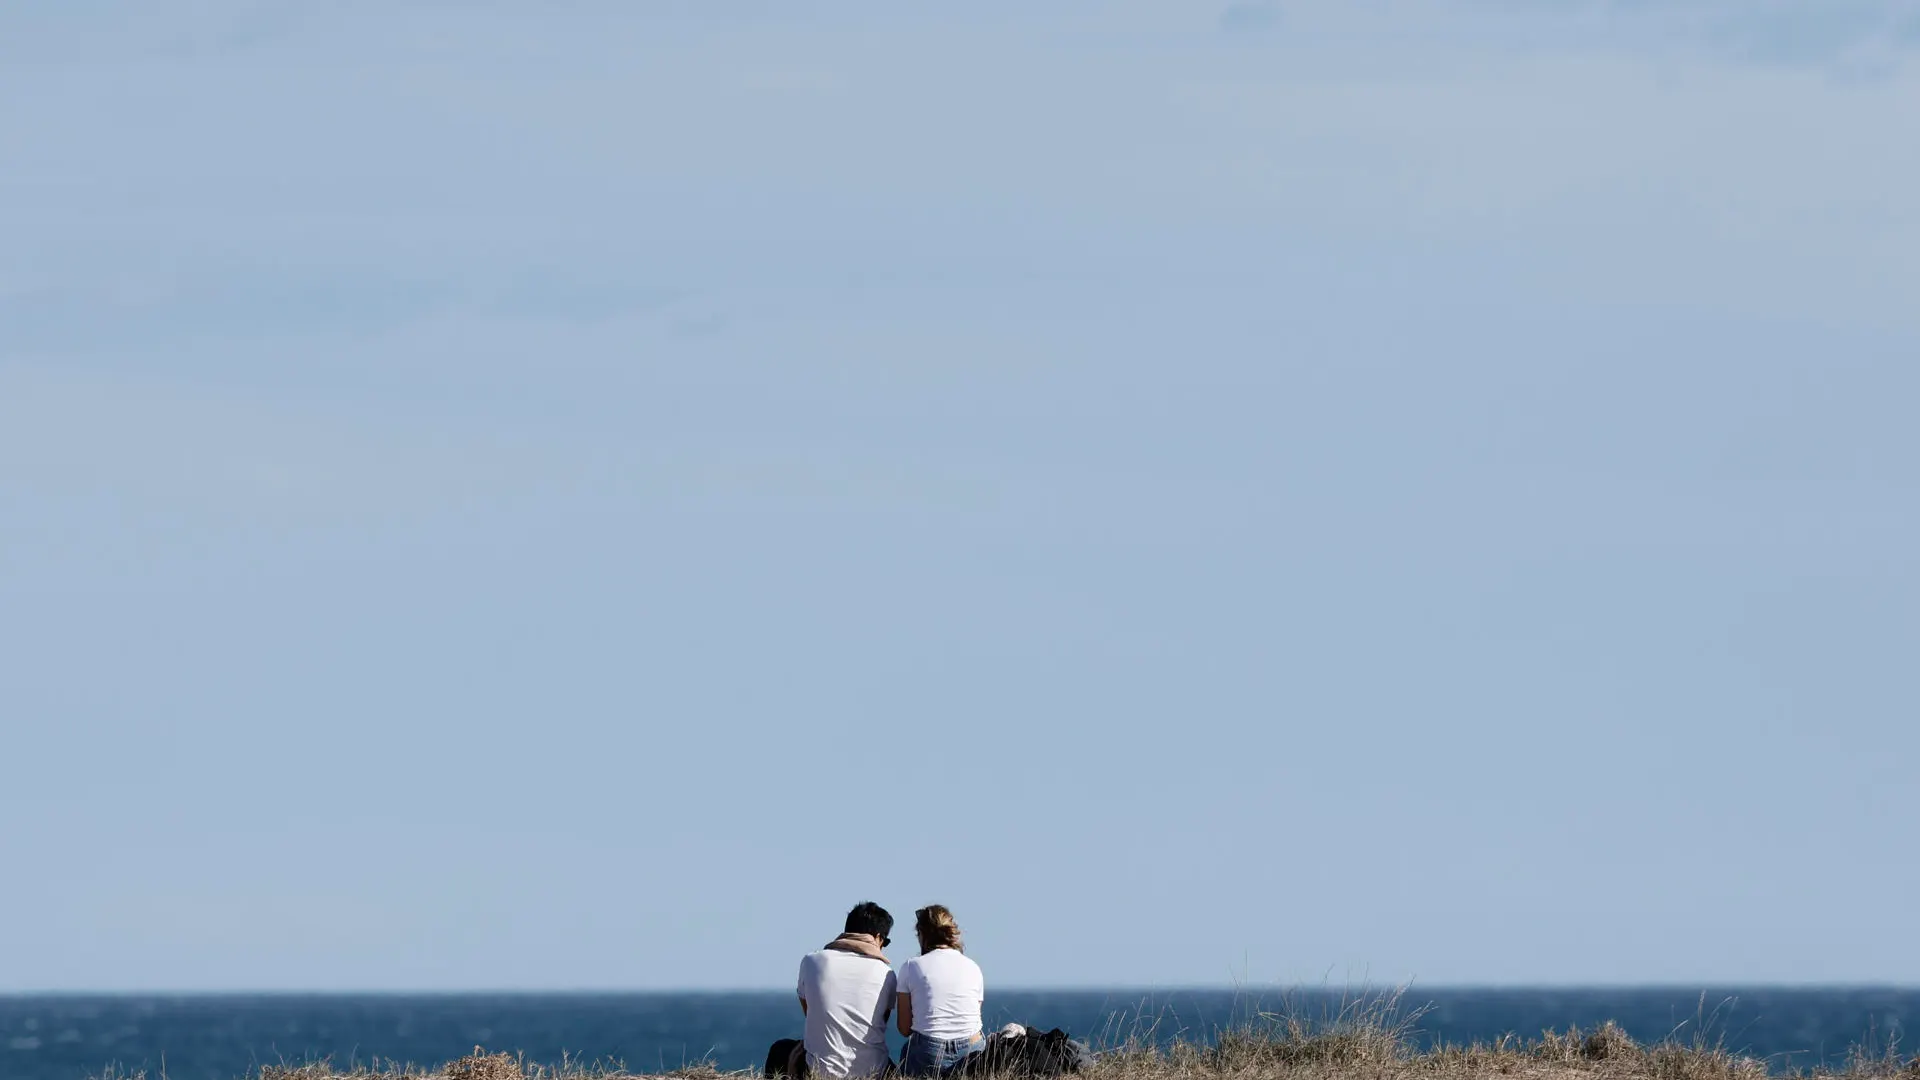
<point>940,995</point>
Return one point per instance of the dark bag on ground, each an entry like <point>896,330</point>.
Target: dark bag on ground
<point>1033,1053</point>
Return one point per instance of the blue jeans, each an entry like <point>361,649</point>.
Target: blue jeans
<point>937,1057</point>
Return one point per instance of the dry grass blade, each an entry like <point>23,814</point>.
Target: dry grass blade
<point>480,1065</point>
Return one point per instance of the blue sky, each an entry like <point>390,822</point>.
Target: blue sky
<point>510,495</point>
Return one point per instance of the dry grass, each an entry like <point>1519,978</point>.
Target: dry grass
<point>1365,1039</point>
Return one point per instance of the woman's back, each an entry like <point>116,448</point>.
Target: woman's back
<point>947,989</point>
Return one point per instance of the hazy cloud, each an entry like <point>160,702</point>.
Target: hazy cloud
<point>1248,18</point>
<point>153,311</point>
<point>1824,35</point>
<point>700,325</point>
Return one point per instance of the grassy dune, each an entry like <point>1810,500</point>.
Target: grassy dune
<point>1369,1040</point>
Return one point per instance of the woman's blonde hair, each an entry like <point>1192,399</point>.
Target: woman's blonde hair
<point>935,927</point>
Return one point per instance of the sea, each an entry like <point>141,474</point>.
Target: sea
<point>227,1037</point>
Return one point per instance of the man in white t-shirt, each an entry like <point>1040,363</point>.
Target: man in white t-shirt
<point>847,993</point>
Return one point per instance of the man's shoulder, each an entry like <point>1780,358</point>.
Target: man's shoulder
<point>820,959</point>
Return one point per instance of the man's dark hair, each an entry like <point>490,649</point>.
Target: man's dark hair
<point>869,918</point>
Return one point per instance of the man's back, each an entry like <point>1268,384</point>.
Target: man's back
<point>849,998</point>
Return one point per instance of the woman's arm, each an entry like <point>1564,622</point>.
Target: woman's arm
<point>904,1017</point>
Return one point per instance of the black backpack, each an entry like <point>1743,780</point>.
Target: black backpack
<point>1036,1053</point>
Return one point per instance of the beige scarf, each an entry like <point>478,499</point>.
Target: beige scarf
<point>860,945</point>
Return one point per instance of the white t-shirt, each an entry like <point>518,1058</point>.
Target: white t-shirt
<point>849,1000</point>
<point>946,988</point>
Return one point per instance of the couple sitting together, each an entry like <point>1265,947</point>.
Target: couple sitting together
<point>848,991</point>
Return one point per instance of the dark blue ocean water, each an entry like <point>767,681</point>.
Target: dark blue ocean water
<point>224,1037</point>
